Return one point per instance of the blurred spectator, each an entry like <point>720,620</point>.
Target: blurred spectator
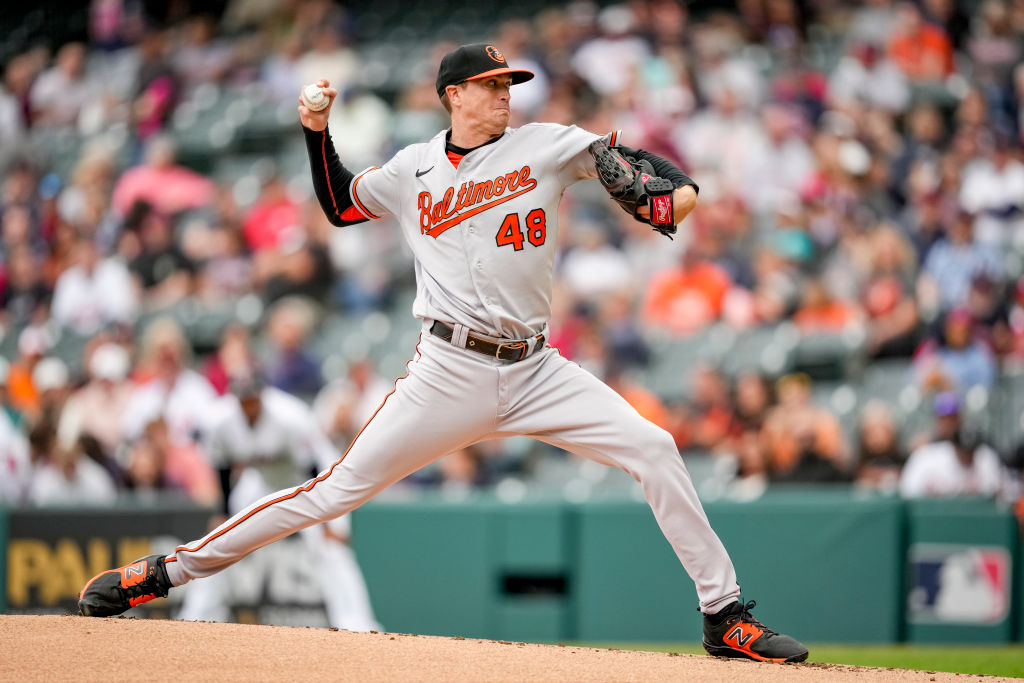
<point>184,466</point>
<point>201,56</point>
<point>711,412</point>
<point>24,295</point>
<point>233,358</point>
<point>625,342</point>
<point>819,312</point>
<point>292,366</point>
<point>169,388</point>
<point>951,16</point>
<point>720,142</point>
<point>804,442</point>
<point>84,202</point>
<point>638,396</point>
<point>12,125</point>
<point>145,472</point>
<point>993,190</point>
<point>274,220</point>
<point>948,421</point>
<point>417,116</point>
<point>751,479</point>
<point>864,76</point>
<point>20,229</point>
<point>959,466</point>
<point>366,263</point>
<point>921,148</point>
<point>880,454</point>
<point>15,416</point>
<point>345,404</point>
<point>225,267</point>
<point>954,360</point>
<point>360,109</point>
<point>60,92</point>
<point>93,292</point>
<point>95,409</point>
<point>18,77</point>
<point>300,268</point>
<point>920,49</point>
<point>159,181</point>
<point>162,271</point>
<point>328,56</point>
<point>781,161</point>
<point>67,477</point>
<point>994,47</point>
<point>951,264</point>
<point>33,344</point>
<point>51,379</point>
<point>888,295</point>
<point>872,21</point>
<point>279,73</point>
<point>611,62</point>
<point>156,91</point>
<point>990,311</point>
<point>515,37</point>
<point>15,462</point>
<point>687,298</point>
<point>776,286</point>
<point>727,76</point>
<point>753,400</point>
<point>594,269</point>
<point>1015,322</point>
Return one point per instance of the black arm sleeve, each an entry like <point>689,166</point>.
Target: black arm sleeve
<point>330,179</point>
<point>663,167</point>
<point>224,476</point>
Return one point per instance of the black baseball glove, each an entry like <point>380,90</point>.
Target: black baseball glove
<point>632,184</point>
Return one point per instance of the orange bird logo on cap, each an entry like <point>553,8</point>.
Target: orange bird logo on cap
<point>494,54</point>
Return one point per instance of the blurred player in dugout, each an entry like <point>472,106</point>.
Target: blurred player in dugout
<point>261,439</point>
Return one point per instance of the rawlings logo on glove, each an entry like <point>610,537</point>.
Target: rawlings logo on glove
<point>632,184</point>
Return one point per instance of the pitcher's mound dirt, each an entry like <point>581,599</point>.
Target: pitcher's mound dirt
<point>47,648</point>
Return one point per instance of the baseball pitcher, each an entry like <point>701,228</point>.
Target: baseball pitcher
<point>478,206</point>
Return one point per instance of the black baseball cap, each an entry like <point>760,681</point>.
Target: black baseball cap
<point>479,60</point>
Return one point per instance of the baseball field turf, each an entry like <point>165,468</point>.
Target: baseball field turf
<point>1007,660</point>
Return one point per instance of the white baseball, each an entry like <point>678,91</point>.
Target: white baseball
<point>314,98</point>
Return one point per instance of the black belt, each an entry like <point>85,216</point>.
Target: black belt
<point>510,351</point>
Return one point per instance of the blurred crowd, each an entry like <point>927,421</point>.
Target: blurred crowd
<point>861,178</point>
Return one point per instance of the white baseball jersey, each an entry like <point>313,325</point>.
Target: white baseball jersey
<point>484,235</point>
<point>283,447</point>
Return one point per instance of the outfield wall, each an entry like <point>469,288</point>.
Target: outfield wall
<point>826,566</point>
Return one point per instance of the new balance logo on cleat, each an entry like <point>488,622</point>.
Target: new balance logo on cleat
<point>738,637</point>
<point>735,632</point>
<point>137,569</point>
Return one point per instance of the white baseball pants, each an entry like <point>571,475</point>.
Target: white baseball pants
<point>454,397</point>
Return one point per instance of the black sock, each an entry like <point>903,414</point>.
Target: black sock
<point>721,614</point>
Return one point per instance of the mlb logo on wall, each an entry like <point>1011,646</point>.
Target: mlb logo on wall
<point>958,584</point>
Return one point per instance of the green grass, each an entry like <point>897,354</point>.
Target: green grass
<point>1005,660</point>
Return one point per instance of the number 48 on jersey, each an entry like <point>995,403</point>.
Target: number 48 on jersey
<point>511,232</point>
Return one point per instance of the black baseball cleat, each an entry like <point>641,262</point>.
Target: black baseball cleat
<point>117,590</point>
<point>734,632</point>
